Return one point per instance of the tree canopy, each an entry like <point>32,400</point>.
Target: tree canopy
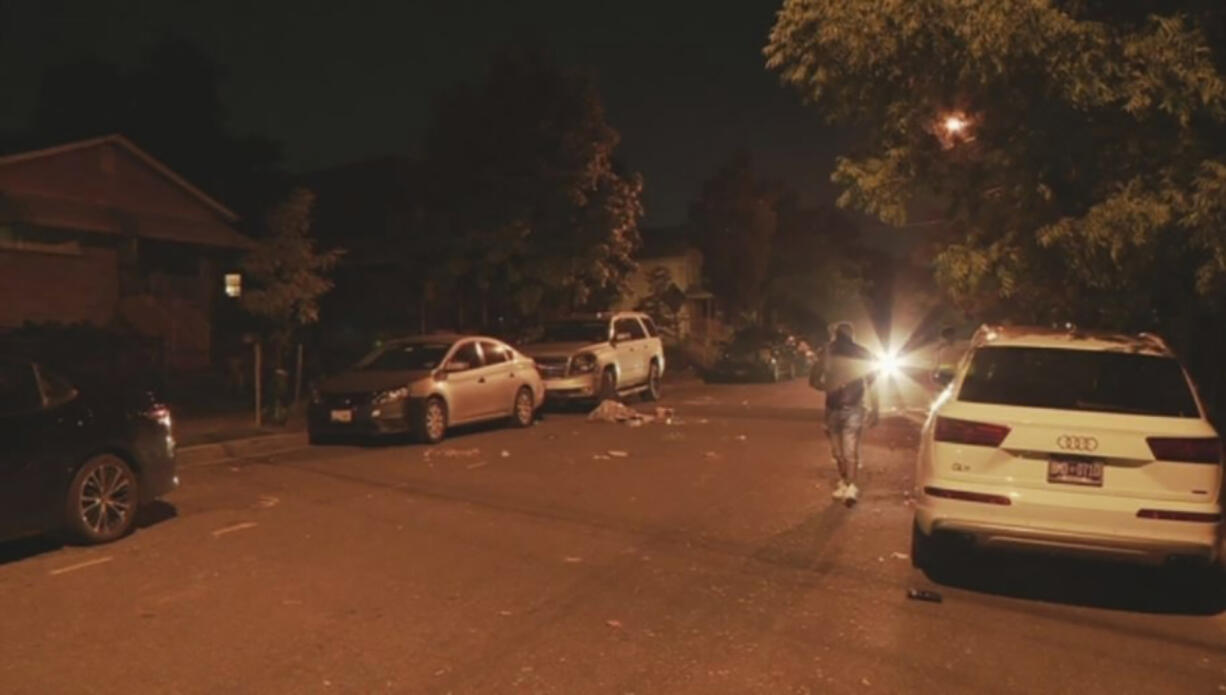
<point>1076,146</point>
<point>287,273</point>
<point>524,190</point>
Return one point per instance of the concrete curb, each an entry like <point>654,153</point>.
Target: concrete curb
<point>216,452</point>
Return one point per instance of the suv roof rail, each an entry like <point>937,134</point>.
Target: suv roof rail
<point>1153,339</point>
<point>986,333</point>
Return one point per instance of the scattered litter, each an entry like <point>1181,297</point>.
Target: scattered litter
<point>741,437</point>
<point>613,411</point>
<point>505,614</point>
<point>703,421</point>
<point>880,558</point>
<point>711,455</point>
<point>452,453</point>
<point>900,556</point>
<point>479,464</point>
<point>267,502</point>
<point>744,402</point>
<point>617,453</point>
<point>601,457</point>
<point>506,454</point>
<point>923,595</point>
<point>674,437</point>
<point>616,624</point>
<point>234,469</point>
<point>572,560</point>
<point>864,682</point>
<point>665,414</point>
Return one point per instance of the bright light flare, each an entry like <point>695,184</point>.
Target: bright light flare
<point>889,365</point>
<point>955,124</point>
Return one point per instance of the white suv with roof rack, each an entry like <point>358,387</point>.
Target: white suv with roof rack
<point>595,357</point>
<point>1062,440</point>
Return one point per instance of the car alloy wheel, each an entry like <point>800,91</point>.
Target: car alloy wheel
<point>608,385</point>
<point>103,500</point>
<point>434,421</point>
<point>653,383</point>
<point>525,409</point>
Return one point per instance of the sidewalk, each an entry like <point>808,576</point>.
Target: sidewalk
<point>215,437</point>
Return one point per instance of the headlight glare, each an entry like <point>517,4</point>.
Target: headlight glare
<point>392,395</point>
<point>583,363</point>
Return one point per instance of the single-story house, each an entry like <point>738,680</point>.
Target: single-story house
<point>100,232</point>
<point>668,284</point>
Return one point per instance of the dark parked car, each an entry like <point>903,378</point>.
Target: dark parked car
<point>78,458</point>
<point>757,354</point>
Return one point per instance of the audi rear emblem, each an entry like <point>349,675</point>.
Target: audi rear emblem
<point>1072,442</point>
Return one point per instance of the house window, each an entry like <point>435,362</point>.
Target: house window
<point>234,285</point>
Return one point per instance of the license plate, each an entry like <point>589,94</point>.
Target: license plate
<point>342,416</point>
<point>1071,472</point>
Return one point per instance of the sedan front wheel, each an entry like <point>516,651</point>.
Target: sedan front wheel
<point>432,423</point>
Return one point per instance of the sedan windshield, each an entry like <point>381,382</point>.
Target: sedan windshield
<point>401,357</point>
<point>1110,382</point>
<point>576,332</point>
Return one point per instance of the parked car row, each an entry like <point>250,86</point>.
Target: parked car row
<point>424,385</point>
<point>761,354</point>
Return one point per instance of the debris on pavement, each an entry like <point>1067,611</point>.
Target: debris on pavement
<point>452,453</point>
<point>613,411</point>
<point>674,437</point>
<point>506,454</point>
<point>601,457</point>
<point>572,559</point>
<point>617,453</point>
<point>711,455</point>
<point>741,438</point>
<point>479,464</point>
<point>865,682</point>
<point>616,624</point>
<point>924,595</point>
<point>900,556</point>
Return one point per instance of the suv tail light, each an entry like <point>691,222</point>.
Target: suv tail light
<point>1187,449</point>
<point>966,432</point>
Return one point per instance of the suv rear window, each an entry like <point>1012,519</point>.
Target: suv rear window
<point>1088,380</point>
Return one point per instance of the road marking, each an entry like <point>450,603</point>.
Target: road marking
<point>236,527</point>
<point>82,565</point>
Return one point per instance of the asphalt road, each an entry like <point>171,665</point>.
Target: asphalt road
<point>707,559</point>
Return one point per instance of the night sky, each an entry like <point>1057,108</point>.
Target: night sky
<point>334,82</point>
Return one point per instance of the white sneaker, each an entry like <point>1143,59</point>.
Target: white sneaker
<point>840,492</point>
<point>852,494</point>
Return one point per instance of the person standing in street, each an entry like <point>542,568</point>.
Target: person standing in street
<point>845,371</point>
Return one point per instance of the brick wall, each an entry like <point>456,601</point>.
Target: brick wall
<point>36,286</point>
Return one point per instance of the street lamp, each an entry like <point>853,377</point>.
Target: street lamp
<point>955,124</point>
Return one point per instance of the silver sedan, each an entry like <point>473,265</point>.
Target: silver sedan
<point>426,384</point>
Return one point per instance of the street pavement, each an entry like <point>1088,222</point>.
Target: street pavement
<point>703,556</point>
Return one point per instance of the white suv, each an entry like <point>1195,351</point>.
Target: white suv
<point>600,356</point>
<point>1061,440</point>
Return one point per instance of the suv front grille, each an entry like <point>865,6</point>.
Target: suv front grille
<point>552,367</point>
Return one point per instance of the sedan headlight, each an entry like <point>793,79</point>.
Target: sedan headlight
<point>583,363</point>
<point>392,396</point>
